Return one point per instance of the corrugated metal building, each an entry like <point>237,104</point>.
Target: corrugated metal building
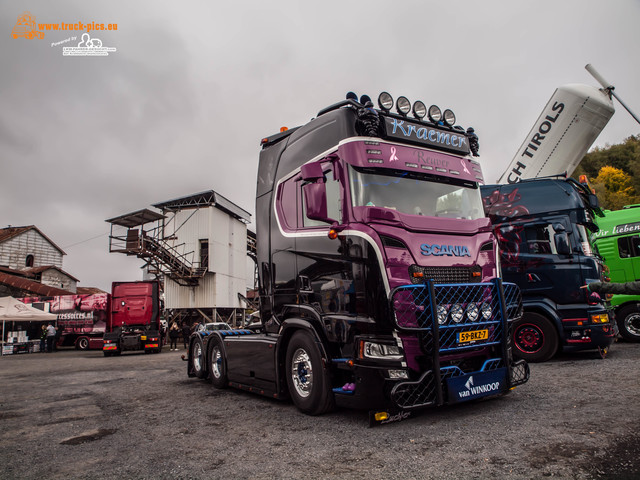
<point>198,245</point>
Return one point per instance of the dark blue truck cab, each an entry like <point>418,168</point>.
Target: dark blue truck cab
<point>543,228</point>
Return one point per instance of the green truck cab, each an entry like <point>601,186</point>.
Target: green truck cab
<point>618,243</point>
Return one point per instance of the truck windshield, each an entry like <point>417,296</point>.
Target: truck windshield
<point>414,195</point>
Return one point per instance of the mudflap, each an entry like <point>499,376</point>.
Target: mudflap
<point>377,417</point>
<point>476,385</point>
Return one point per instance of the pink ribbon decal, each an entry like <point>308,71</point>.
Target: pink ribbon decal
<point>466,170</point>
<point>393,157</point>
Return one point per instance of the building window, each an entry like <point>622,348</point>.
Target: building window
<point>204,254</point>
<point>29,261</point>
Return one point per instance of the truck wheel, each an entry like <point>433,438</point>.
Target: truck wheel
<point>628,320</point>
<point>308,381</point>
<point>196,358</point>
<point>534,338</point>
<point>217,364</point>
<point>82,343</point>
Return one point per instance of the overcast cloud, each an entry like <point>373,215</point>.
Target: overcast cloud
<point>182,104</point>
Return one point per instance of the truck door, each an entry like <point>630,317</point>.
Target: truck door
<point>629,251</point>
<point>530,259</point>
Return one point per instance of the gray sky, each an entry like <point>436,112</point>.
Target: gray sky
<point>182,104</point>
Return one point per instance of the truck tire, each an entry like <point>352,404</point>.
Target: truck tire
<point>196,357</point>
<point>534,338</point>
<point>217,363</point>
<point>307,379</point>
<point>82,343</point>
<point>628,320</point>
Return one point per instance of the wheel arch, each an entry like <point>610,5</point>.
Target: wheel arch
<point>289,327</point>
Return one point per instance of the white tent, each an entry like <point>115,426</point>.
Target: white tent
<point>13,310</point>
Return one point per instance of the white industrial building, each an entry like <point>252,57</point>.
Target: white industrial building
<point>198,245</point>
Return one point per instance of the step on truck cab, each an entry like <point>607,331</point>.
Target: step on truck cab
<point>618,243</point>
<point>543,227</point>
<point>377,269</point>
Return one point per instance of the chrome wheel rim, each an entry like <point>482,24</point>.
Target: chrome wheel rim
<point>302,373</point>
<point>216,362</point>
<point>197,357</point>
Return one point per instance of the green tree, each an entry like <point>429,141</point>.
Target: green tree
<point>614,172</point>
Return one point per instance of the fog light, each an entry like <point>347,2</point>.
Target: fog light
<point>457,313</point>
<point>473,312</point>
<point>442,314</point>
<point>380,416</point>
<point>435,114</point>
<point>601,318</point>
<point>485,310</point>
<point>419,110</point>
<point>403,105</point>
<point>385,101</point>
<point>449,117</point>
<point>398,374</point>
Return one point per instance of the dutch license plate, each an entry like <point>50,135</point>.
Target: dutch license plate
<point>473,336</point>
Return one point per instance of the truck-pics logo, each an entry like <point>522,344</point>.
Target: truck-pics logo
<point>26,27</point>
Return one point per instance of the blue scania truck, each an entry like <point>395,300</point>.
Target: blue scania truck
<point>543,227</point>
<point>378,282</point>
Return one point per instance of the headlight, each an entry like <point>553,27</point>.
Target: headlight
<point>419,110</point>
<point>442,314</point>
<point>385,101</point>
<point>457,313</point>
<point>449,117</point>
<point>485,310</point>
<point>381,350</point>
<point>473,312</point>
<point>403,105</point>
<point>435,114</point>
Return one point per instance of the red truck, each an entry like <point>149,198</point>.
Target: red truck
<point>126,319</point>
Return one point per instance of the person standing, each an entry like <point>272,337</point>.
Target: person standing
<point>43,338</point>
<point>51,337</point>
<point>186,332</point>
<point>174,333</point>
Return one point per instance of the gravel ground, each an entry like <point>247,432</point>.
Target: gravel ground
<point>75,414</point>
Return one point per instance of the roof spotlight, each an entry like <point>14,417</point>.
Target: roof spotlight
<point>403,105</point>
<point>419,110</point>
<point>352,96</point>
<point>435,114</point>
<point>364,99</point>
<point>449,117</point>
<point>385,101</point>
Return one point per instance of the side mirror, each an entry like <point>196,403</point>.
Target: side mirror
<point>562,243</point>
<point>315,201</point>
<point>593,201</point>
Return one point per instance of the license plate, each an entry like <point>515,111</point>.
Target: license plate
<point>473,336</point>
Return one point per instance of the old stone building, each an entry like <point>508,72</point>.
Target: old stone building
<point>28,254</point>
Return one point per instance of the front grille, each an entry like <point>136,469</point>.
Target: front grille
<point>440,275</point>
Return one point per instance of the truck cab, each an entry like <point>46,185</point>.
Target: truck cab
<point>135,320</point>
<point>377,268</point>
<point>618,243</point>
<point>543,226</point>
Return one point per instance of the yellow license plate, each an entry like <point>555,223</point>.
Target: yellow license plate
<point>143,337</point>
<point>473,336</point>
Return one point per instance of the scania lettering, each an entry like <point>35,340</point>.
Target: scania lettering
<point>378,281</point>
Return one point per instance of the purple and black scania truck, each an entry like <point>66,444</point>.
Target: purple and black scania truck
<point>378,277</point>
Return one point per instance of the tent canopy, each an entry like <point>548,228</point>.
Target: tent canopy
<point>12,310</point>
